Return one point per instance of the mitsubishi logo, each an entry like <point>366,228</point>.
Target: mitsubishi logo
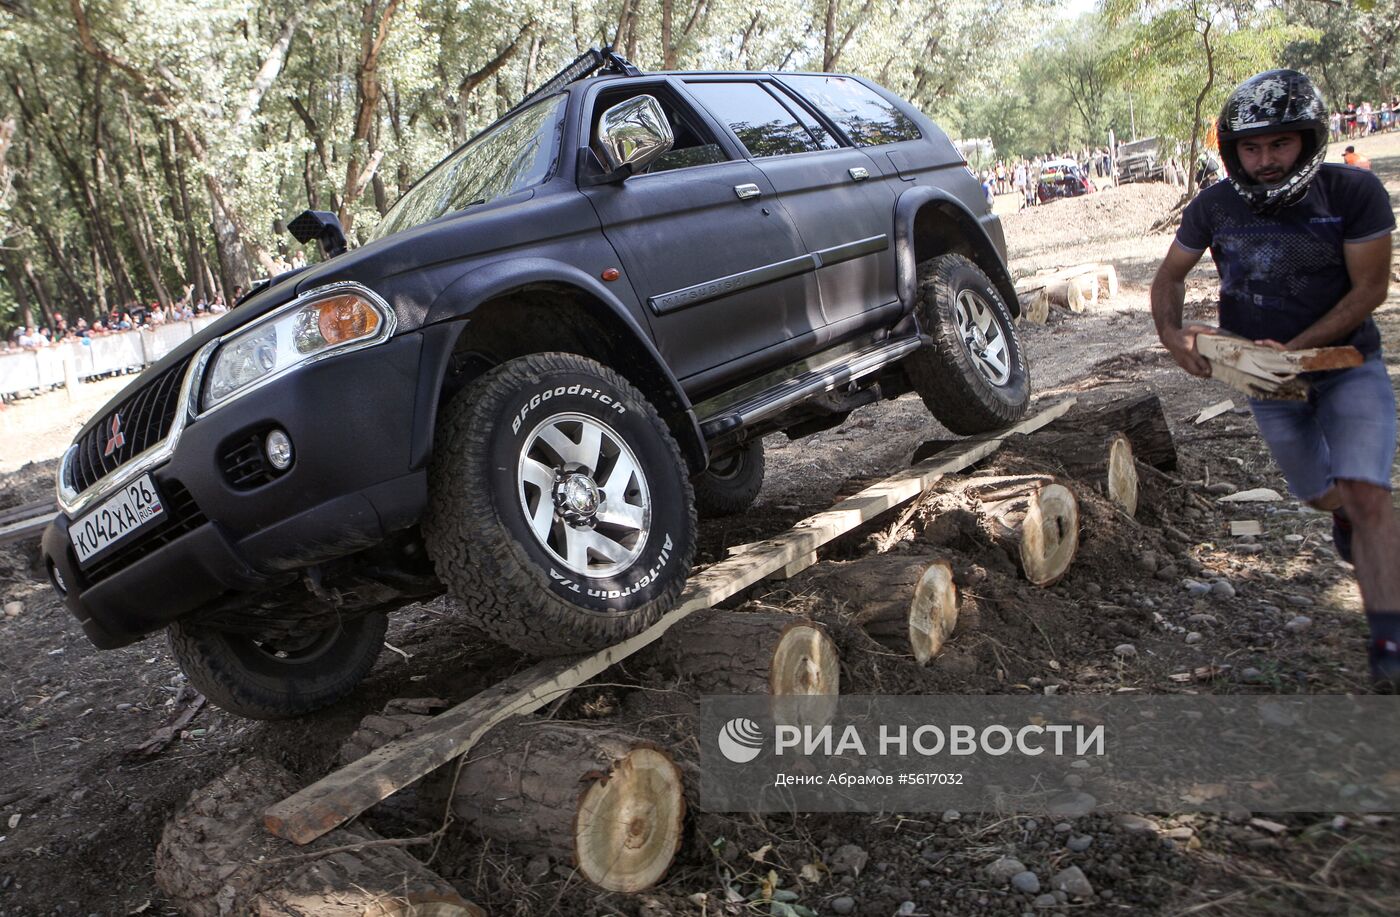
<point>117,439</point>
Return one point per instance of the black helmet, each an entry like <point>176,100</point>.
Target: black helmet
<point>1270,103</point>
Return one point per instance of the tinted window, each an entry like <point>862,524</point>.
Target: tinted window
<point>511,156</point>
<point>867,118</point>
<point>762,124</point>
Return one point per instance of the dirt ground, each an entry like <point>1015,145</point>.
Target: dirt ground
<point>80,813</point>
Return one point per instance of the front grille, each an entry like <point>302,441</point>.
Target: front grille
<point>244,465</point>
<point>182,515</point>
<point>146,418</point>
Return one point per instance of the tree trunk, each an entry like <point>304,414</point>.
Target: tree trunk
<point>1102,459</point>
<point>908,604</point>
<point>215,859</point>
<point>1139,418</point>
<point>1032,517</point>
<point>15,273</point>
<point>604,802</point>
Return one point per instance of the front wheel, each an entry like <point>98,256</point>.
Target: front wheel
<point>974,378</point>
<point>560,511</point>
<point>271,678</point>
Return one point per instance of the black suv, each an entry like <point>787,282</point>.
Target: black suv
<point>563,340</point>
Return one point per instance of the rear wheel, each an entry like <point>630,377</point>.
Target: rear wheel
<point>974,378</point>
<point>560,511</point>
<point>732,482</point>
<point>270,678</point>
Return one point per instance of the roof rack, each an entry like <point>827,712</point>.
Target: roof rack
<point>594,60</point>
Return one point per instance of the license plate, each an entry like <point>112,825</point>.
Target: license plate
<point>120,516</point>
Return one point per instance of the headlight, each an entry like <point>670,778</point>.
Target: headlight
<point>317,324</point>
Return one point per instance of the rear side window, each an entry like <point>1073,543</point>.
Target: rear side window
<point>763,124</point>
<point>867,118</point>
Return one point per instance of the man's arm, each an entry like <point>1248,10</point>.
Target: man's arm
<point>1368,265</point>
<point>1168,296</point>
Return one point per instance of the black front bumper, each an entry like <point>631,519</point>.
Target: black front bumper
<point>357,476</point>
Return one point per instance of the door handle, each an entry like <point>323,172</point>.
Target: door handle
<point>747,192</point>
<point>859,173</point>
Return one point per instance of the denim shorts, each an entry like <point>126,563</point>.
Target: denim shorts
<point>1345,430</point>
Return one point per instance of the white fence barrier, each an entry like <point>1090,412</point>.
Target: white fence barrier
<point>32,370</point>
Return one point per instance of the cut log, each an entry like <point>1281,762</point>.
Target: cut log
<point>214,859</point>
<point>1034,518</point>
<point>1105,460</point>
<point>604,802</point>
<point>1035,306</point>
<point>1107,276</point>
<point>1074,293</point>
<point>1139,418</point>
<point>907,604</point>
<point>752,652</point>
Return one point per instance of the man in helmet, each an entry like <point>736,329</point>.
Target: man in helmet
<point>1303,251</point>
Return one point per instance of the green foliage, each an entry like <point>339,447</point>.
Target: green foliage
<point>181,134</point>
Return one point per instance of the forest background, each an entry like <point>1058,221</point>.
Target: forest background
<point>150,147</point>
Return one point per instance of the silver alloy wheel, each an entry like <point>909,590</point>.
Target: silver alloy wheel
<point>984,337</point>
<point>584,495</point>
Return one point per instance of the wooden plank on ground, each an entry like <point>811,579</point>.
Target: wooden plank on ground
<point>25,528</point>
<point>344,794</point>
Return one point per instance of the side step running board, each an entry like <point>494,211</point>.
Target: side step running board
<point>824,378</point>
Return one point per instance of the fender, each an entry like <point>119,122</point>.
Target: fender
<point>989,255</point>
<point>453,307</point>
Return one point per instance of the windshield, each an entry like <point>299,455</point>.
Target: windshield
<point>514,155</point>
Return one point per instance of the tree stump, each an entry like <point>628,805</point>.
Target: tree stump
<point>605,802</point>
<point>1103,459</point>
<point>1139,418</point>
<point>1033,518</point>
<point>215,859</point>
<point>909,605</point>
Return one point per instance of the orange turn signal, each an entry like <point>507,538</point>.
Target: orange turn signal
<point>345,318</point>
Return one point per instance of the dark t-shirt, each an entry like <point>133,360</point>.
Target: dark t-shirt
<point>1279,274</point>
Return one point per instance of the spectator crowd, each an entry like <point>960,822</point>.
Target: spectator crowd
<point>129,316</point>
<point>1364,119</point>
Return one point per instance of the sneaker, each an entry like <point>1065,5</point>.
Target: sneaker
<point>1385,665</point>
<point>1341,536</point>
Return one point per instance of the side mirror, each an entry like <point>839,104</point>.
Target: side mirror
<point>634,133</point>
<point>321,225</point>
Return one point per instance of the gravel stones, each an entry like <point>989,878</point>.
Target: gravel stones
<point>1072,882</point>
<point>1195,589</point>
<point>1223,589</point>
<point>1002,870</point>
<point>843,905</point>
<point>1027,883</point>
<point>1045,901</point>
<point>848,858</point>
<point>1193,637</point>
<point>1298,601</point>
<point>1298,625</point>
<point>1125,651</point>
<point>14,609</point>
<point>1080,843</point>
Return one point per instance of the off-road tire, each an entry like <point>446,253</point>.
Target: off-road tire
<point>946,375</point>
<point>731,483</point>
<point>235,673</point>
<point>478,532</point>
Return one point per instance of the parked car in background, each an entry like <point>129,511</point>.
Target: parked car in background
<point>1140,160</point>
<point>1062,178</point>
